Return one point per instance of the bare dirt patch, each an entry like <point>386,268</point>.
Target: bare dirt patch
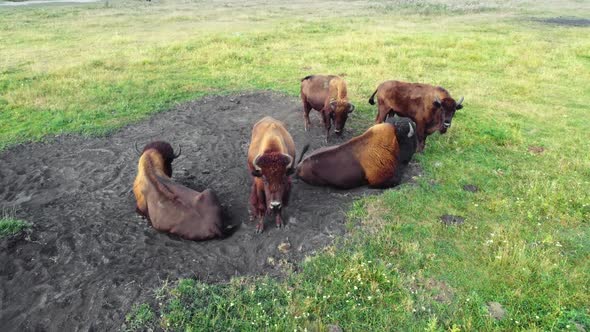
<point>451,220</point>
<point>89,257</point>
<point>536,149</point>
<point>565,21</point>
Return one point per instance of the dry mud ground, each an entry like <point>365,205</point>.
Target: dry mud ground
<point>89,257</point>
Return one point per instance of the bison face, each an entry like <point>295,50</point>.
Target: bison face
<point>274,169</point>
<point>339,114</point>
<point>447,108</point>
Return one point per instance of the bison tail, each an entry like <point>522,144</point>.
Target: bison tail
<point>306,78</point>
<point>372,99</point>
<point>303,151</point>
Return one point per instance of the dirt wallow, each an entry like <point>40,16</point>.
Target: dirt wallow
<point>89,257</point>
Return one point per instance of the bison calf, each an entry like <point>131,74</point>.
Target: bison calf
<point>432,108</point>
<point>376,158</point>
<point>171,207</point>
<point>326,94</point>
<point>271,157</point>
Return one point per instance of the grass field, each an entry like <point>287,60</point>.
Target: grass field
<point>521,139</point>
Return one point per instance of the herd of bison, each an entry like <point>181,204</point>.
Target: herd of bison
<point>376,158</point>
<point>88,258</point>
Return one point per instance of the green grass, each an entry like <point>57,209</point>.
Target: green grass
<point>10,226</point>
<point>140,317</point>
<point>525,242</point>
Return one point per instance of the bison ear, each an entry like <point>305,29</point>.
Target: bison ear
<point>257,173</point>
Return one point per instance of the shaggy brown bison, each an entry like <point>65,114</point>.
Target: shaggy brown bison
<point>376,158</point>
<point>169,206</point>
<point>432,108</point>
<point>326,94</point>
<point>271,159</point>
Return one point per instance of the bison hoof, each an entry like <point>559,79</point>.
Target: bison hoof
<point>280,225</point>
<point>259,228</point>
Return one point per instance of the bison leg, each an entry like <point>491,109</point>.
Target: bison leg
<point>327,123</point>
<point>260,225</point>
<point>421,135</point>
<point>306,110</point>
<point>382,111</point>
<point>279,219</point>
<point>257,205</point>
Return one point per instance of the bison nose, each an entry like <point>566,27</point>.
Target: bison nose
<point>274,205</point>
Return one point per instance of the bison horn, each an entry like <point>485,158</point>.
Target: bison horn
<point>437,100</point>
<point>411,133</point>
<point>179,151</point>
<point>290,160</point>
<point>255,161</point>
<point>460,101</point>
<point>137,149</point>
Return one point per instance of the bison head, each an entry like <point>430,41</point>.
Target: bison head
<point>405,131</point>
<point>165,150</point>
<point>274,168</point>
<point>447,106</point>
<point>339,111</point>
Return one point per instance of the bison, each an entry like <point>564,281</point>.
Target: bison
<point>375,158</point>
<point>326,94</point>
<point>169,206</point>
<point>432,108</point>
<point>271,157</point>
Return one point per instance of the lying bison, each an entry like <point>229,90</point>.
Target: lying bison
<point>169,206</point>
<point>271,157</point>
<point>432,108</point>
<point>375,158</point>
<point>328,95</point>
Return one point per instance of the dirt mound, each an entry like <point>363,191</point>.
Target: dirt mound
<point>89,257</point>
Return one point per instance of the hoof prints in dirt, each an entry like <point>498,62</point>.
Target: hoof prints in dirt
<point>90,257</point>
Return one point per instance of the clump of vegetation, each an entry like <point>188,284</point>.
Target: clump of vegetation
<point>140,318</point>
<point>10,226</point>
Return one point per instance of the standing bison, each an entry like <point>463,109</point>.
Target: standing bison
<point>375,158</point>
<point>271,159</point>
<point>432,108</point>
<point>169,206</point>
<point>328,95</point>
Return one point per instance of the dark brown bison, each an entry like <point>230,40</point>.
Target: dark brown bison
<point>169,206</point>
<point>432,108</point>
<point>271,159</point>
<point>375,158</point>
<point>326,94</point>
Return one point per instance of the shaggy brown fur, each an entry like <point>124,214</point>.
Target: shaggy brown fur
<point>371,158</point>
<point>432,108</point>
<point>171,207</point>
<point>328,95</point>
<point>271,158</point>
